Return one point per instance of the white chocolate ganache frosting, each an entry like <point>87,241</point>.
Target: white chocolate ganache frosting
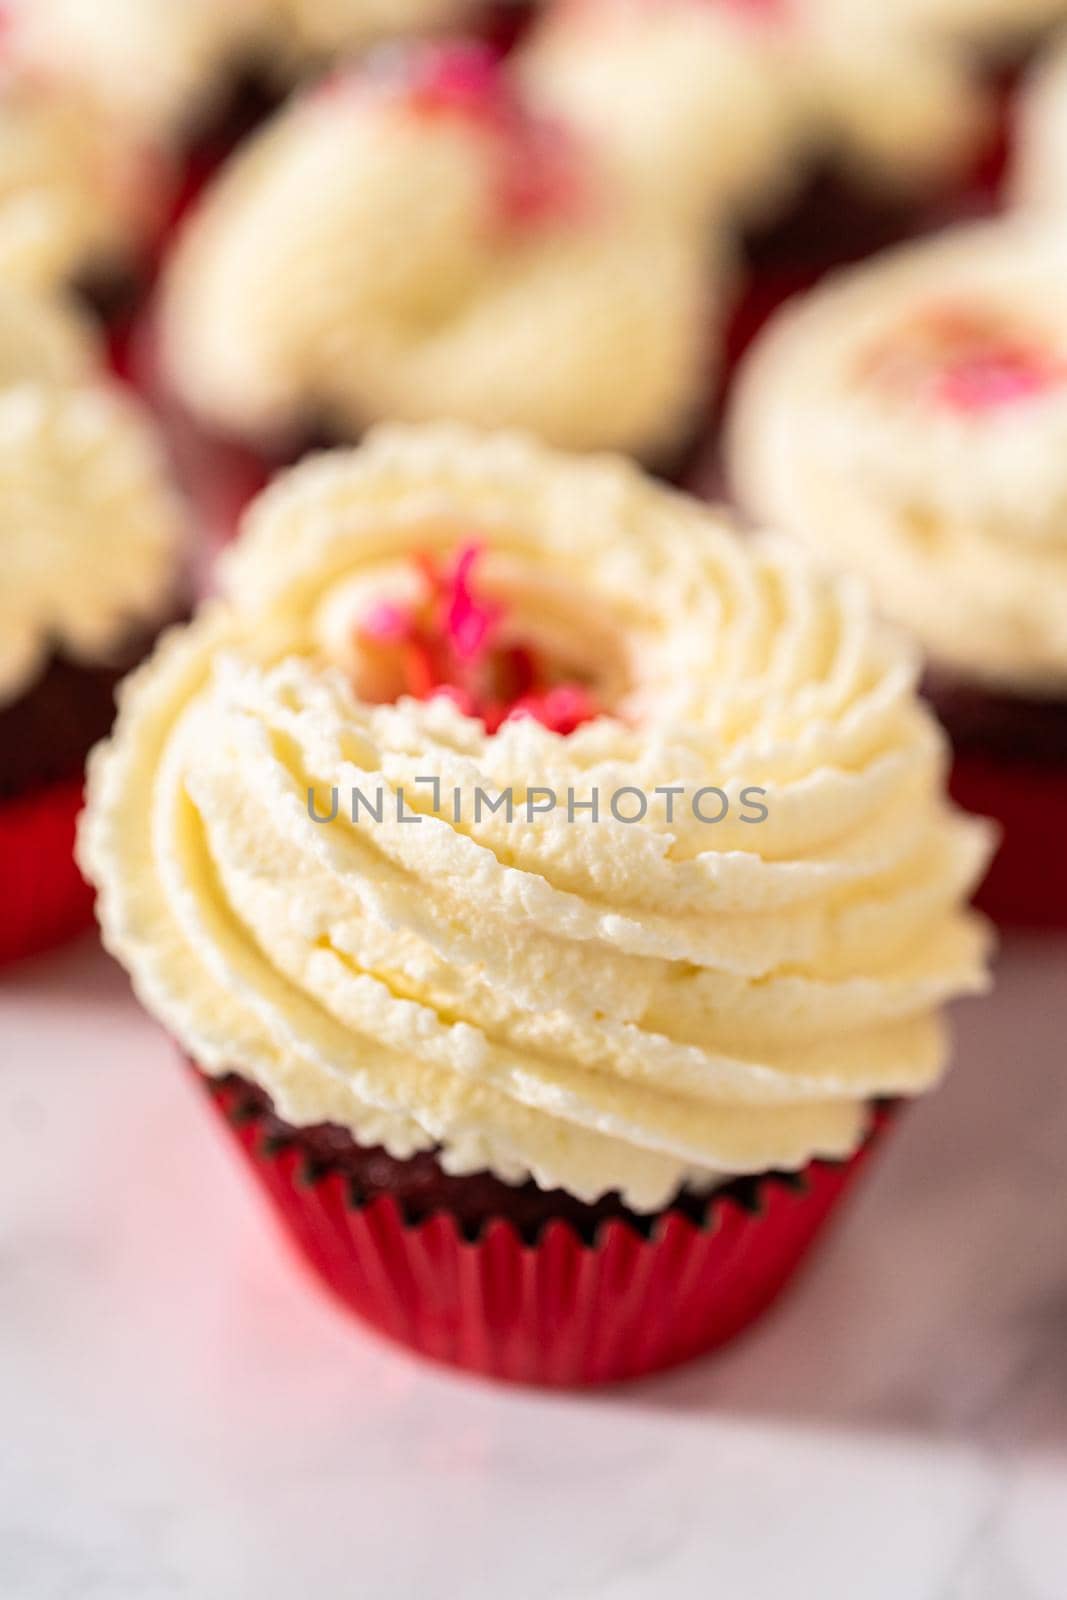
<point>89,527</point>
<point>908,421</point>
<point>76,195</point>
<point>408,243</point>
<point>603,1005</point>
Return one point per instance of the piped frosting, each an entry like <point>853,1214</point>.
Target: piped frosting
<point>608,1004</point>
<point>411,241</point>
<point>89,527</point>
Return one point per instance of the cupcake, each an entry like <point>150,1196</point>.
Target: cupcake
<point>162,67</point>
<point>895,115</point>
<point>706,106</point>
<point>554,889</point>
<point>682,97</point>
<point>409,242</point>
<point>1039,177</point>
<point>90,558</point>
<point>79,202</point>
<point>909,422</point>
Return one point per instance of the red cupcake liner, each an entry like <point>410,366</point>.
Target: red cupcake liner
<point>560,1312</point>
<point>45,898</point>
<point>1027,883</point>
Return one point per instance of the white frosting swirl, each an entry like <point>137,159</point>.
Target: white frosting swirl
<point>601,1005</point>
<point>359,261</point>
<point>88,525</point>
<point>909,421</point>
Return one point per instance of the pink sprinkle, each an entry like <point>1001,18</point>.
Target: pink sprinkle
<point>988,380</point>
<point>560,709</point>
<point>470,620</point>
<point>461,77</point>
<point>387,623</point>
<point>445,647</point>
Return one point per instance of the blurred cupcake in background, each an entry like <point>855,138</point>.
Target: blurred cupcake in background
<point>560,1097</point>
<point>909,422</point>
<point>198,74</point>
<point>410,241</point>
<point>1039,177</point>
<point>1000,38</point>
<point>898,118</point>
<point>162,67</point>
<point>80,201</point>
<point>92,566</point>
<point>681,97</point>
<point>739,108</point>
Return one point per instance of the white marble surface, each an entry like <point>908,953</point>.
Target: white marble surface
<point>183,1415</point>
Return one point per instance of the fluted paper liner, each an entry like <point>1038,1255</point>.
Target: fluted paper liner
<point>561,1311</point>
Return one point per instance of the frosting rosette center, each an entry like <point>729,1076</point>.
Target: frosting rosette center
<point>462,627</point>
<point>693,935</point>
<point>967,360</point>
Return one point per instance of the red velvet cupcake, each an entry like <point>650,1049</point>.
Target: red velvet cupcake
<point>826,130</point>
<point>412,241</point>
<point>551,885</point>
<point>91,563</point>
<point>909,422</point>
